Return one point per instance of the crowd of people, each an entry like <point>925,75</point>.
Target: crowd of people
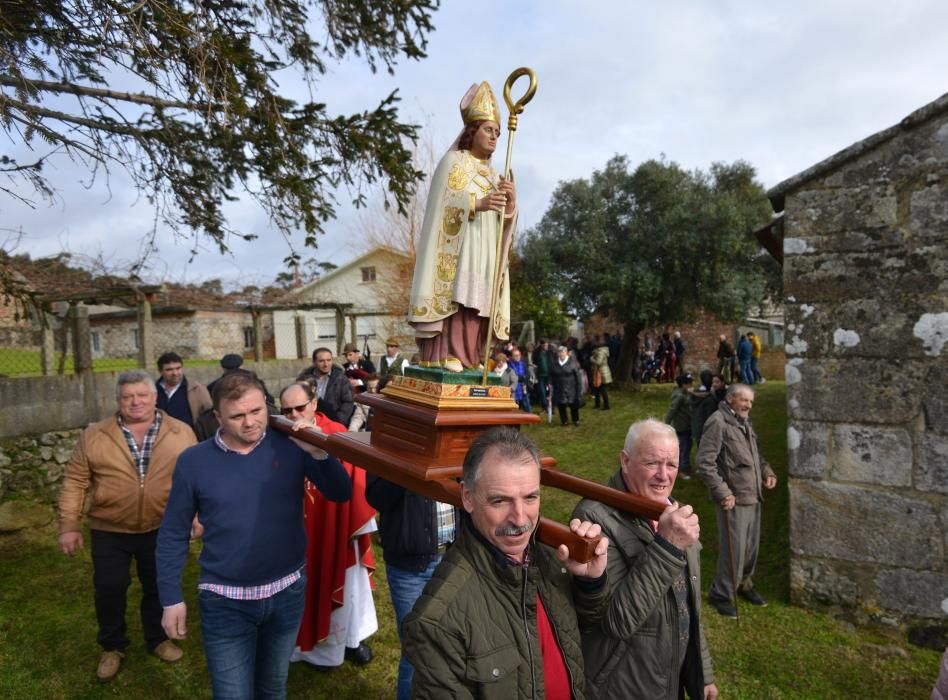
<point>481,608</point>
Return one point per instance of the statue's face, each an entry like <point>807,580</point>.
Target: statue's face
<point>485,140</point>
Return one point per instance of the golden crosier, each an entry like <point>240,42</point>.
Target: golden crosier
<point>515,109</point>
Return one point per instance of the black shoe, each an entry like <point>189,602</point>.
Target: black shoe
<point>724,607</point>
<point>752,597</point>
<point>360,655</point>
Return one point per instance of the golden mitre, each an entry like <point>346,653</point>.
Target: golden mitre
<point>479,104</point>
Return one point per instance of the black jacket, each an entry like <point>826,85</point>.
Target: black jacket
<point>337,401</point>
<point>406,524</point>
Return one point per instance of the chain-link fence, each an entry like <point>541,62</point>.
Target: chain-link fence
<point>81,337</point>
<point>125,339</point>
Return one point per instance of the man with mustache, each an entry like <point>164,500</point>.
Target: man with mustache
<point>499,617</point>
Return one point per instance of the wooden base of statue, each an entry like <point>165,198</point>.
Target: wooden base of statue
<point>421,447</point>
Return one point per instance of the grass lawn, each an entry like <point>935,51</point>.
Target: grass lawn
<point>47,623</point>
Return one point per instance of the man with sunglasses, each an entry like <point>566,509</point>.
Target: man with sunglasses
<point>340,611</point>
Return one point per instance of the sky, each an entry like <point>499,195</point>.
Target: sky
<point>782,85</point>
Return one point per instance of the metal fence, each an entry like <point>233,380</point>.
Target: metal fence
<point>86,338</point>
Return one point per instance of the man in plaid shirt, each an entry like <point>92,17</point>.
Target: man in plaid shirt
<point>126,462</point>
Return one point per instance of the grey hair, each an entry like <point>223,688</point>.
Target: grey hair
<point>734,389</point>
<point>648,426</point>
<point>510,444</point>
<point>561,348</point>
<point>133,376</point>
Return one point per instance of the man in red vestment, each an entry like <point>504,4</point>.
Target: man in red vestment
<point>340,611</point>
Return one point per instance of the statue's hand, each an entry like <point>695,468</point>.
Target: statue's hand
<point>495,201</point>
<point>510,189</point>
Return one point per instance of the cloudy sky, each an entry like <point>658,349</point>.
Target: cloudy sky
<point>782,85</point>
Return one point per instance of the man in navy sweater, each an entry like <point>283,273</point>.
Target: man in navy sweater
<point>247,485</point>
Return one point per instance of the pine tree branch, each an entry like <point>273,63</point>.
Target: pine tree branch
<point>99,93</point>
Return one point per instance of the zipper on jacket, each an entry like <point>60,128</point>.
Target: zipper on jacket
<point>526,630</point>
<point>141,501</point>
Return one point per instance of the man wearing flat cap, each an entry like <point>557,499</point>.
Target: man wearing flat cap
<point>392,362</point>
<point>354,360</point>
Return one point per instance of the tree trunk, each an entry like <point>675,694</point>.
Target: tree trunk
<point>629,353</point>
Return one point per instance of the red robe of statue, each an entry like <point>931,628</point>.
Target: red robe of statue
<point>329,552</point>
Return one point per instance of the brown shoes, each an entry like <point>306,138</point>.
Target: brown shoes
<point>111,661</point>
<point>168,652</point>
<point>109,665</point>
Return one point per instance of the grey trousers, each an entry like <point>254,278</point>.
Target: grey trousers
<point>739,555</point>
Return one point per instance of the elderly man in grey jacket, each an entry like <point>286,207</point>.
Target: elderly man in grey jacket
<point>735,473</point>
<point>649,641</point>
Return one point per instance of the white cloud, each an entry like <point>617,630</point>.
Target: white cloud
<point>781,85</point>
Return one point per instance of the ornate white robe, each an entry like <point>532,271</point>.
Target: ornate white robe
<point>458,248</point>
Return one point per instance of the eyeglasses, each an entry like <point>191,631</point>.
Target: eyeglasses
<point>290,410</point>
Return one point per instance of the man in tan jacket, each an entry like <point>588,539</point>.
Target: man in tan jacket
<point>736,475</point>
<point>125,462</point>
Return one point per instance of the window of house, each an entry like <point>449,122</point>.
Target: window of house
<point>326,331</point>
<point>136,340</point>
<point>248,336</point>
<point>365,327</point>
<point>96,346</point>
<point>368,274</point>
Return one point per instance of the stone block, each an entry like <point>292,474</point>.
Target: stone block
<point>928,213</point>
<point>816,581</point>
<point>24,482</point>
<point>18,515</point>
<point>45,453</point>
<point>53,473</point>
<point>831,210</point>
<point>872,455</point>
<point>48,439</point>
<point>855,328</point>
<point>61,454</point>
<point>852,523</point>
<point>921,593</point>
<point>931,470</point>
<point>837,276</point>
<point>808,449</point>
<point>5,460</point>
<point>856,390</point>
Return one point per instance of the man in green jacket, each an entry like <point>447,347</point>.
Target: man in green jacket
<point>648,642</point>
<point>735,473</point>
<point>499,617</point>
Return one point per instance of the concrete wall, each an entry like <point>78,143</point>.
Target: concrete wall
<point>866,284</point>
<point>35,405</point>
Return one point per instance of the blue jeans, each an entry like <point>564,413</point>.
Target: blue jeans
<point>747,375</point>
<point>405,587</point>
<point>755,371</point>
<point>248,643</point>
<point>542,386</point>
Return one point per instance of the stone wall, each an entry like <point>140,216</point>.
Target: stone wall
<point>31,406</point>
<point>866,284</point>
<point>31,468</point>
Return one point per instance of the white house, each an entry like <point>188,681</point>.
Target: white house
<point>372,292</point>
